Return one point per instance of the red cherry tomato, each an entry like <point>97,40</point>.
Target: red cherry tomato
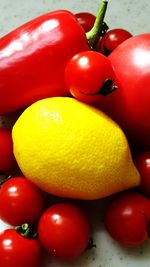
<point>112,39</point>
<point>127,218</point>
<point>18,251</point>
<point>89,75</point>
<point>142,162</point>
<point>64,231</point>
<point>20,201</point>
<point>86,20</point>
<point>7,159</point>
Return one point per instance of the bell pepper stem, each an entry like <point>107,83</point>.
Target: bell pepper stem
<point>93,35</point>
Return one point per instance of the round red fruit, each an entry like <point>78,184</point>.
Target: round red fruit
<point>89,76</point>
<point>112,39</point>
<point>127,218</point>
<point>18,251</point>
<point>64,231</point>
<point>20,201</point>
<point>86,20</point>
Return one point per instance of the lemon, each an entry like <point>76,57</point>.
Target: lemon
<point>71,149</point>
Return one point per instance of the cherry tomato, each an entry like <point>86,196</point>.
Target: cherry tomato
<point>7,159</point>
<point>127,218</point>
<point>112,39</point>
<point>142,162</point>
<point>64,231</point>
<point>86,20</point>
<point>20,201</point>
<point>18,251</point>
<point>89,75</point>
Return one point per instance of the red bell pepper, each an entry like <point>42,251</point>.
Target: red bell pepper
<point>33,57</point>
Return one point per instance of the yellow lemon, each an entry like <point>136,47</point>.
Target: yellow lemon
<point>71,149</point>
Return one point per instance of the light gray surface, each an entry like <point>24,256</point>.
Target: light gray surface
<point>131,15</point>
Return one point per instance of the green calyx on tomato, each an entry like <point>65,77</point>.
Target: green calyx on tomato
<point>91,244</point>
<point>107,87</point>
<point>26,231</point>
<point>105,90</point>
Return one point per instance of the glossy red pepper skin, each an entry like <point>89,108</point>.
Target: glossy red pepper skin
<point>33,59</point>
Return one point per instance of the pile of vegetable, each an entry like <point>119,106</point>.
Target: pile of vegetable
<point>105,69</point>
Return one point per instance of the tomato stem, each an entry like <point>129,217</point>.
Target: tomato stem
<point>107,87</point>
<point>105,90</point>
<point>93,35</point>
<point>91,244</point>
<point>26,231</point>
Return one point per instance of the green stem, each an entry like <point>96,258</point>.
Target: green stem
<point>93,35</point>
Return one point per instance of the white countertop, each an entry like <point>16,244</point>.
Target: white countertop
<point>131,15</point>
